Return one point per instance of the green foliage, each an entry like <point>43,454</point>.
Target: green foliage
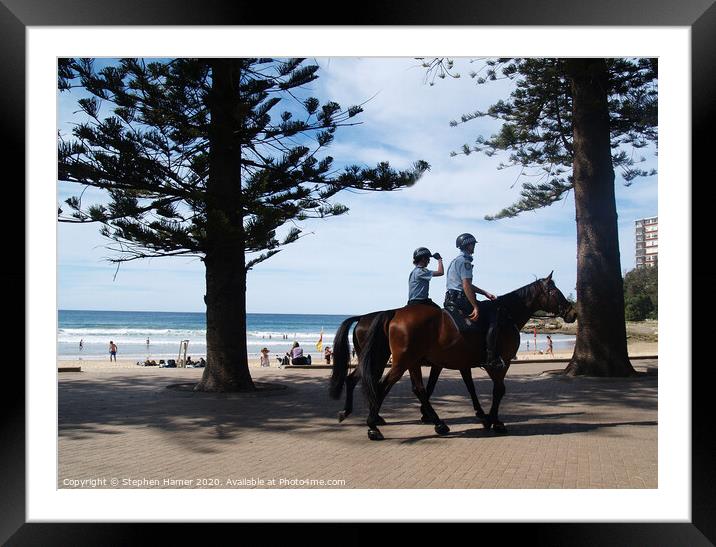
<point>536,130</point>
<point>144,136</point>
<point>641,294</point>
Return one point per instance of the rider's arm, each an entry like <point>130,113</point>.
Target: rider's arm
<point>478,290</point>
<point>469,290</point>
<point>440,270</point>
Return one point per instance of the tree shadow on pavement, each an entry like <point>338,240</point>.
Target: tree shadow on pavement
<point>533,405</point>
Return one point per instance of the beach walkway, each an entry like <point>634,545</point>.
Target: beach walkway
<point>125,425</point>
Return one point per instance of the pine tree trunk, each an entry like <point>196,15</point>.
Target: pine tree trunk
<point>227,357</point>
<point>601,346</point>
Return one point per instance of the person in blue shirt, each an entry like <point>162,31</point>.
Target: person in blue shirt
<point>461,294</point>
<point>419,280</point>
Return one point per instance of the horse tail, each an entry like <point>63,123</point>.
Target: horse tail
<point>341,357</point>
<point>374,355</point>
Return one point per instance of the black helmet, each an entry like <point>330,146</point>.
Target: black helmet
<point>463,240</point>
<point>421,252</point>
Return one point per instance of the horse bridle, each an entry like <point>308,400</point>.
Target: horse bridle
<point>552,295</point>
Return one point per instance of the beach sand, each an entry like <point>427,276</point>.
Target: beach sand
<point>636,349</point>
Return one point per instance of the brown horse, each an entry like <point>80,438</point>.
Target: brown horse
<point>426,334</point>
<point>341,359</point>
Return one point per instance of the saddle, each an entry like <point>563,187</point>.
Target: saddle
<point>464,324</point>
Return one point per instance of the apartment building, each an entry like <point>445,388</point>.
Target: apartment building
<point>647,241</point>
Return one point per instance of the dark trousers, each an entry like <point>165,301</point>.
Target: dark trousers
<point>456,300</point>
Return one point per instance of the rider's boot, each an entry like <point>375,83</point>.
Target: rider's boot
<point>494,361</point>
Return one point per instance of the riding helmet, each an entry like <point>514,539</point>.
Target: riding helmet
<point>421,252</point>
<point>463,240</point>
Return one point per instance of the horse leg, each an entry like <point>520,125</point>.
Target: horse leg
<point>434,375</point>
<point>470,384</point>
<point>416,376</point>
<point>498,391</point>
<point>374,419</point>
<point>351,382</point>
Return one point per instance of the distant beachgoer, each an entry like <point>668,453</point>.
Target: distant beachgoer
<point>112,351</point>
<point>549,346</point>
<point>297,357</point>
<point>528,344</point>
<point>327,355</point>
<point>264,358</point>
<point>82,344</point>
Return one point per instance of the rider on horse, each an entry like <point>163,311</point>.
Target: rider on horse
<point>420,277</point>
<point>460,296</point>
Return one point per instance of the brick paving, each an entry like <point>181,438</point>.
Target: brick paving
<point>562,433</point>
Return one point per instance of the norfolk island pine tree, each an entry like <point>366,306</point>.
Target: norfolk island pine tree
<point>196,161</point>
<point>574,120</point>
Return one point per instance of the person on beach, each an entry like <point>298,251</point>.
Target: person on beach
<point>461,295</point>
<point>112,351</point>
<point>264,358</point>
<point>327,355</point>
<point>549,346</point>
<point>419,279</point>
<point>297,357</point>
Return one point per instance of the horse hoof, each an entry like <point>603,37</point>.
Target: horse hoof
<point>424,419</point>
<point>486,423</point>
<point>375,435</point>
<point>380,421</point>
<point>342,415</point>
<point>499,427</point>
<point>442,429</point>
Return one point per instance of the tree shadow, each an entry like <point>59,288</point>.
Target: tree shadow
<point>533,405</point>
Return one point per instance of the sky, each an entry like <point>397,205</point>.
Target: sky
<point>360,261</point>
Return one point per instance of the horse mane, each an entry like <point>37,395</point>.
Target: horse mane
<point>522,293</point>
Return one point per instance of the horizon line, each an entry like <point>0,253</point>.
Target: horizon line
<point>164,311</point>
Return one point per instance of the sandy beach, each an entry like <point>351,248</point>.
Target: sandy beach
<point>636,349</point>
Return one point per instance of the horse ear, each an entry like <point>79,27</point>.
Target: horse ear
<point>549,277</point>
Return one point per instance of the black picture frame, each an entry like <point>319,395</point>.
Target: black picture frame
<point>16,15</point>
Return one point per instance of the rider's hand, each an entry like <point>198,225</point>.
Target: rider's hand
<point>437,256</point>
<point>491,296</point>
<point>475,313</point>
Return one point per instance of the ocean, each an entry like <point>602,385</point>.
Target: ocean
<point>165,331</point>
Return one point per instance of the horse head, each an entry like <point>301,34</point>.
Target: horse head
<point>552,300</point>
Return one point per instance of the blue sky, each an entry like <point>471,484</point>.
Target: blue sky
<point>360,261</point>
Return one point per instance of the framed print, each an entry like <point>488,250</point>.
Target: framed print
<point>538,478</point>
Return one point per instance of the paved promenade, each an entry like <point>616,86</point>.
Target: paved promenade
<point>562,433</point>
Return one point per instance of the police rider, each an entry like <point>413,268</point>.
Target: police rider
<point>419,279</point>
<point>461,294</point>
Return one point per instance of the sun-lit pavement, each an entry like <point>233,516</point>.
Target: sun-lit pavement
<point>125,428</point>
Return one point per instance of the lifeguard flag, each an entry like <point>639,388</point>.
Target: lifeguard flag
<point>319,344</point>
